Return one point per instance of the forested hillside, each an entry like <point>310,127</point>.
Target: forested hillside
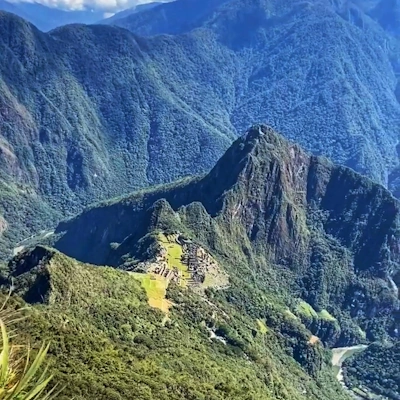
<point>283,222</point>
<point>325,73</point>
<point>376,370</point>
<point>88,113</point>
<point>231,285</point>
<point>92,112</point>
<point>108,343</point>
<point>207,266</point>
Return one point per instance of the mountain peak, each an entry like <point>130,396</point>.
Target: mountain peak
<point>262,132</point>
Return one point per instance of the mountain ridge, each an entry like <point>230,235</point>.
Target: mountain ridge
<point>95,100</point>
<point>47,18</point>
<point>278,211</point>
<point>295,22</point>
<point>101,142</point>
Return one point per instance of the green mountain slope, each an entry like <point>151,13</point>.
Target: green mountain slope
<point>280,221</point>
<point>89,113</point>
<point>107,343</point>
<point>325,73</point>
<point>375,371</point>
<point>93,112</point>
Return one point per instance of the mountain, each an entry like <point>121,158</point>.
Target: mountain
<point>172,18</point>
<point>88,113</point>
<point>272,214</point>
<point>47,18</point>
<point>130,11</point>
<point>274,254</point>
<point>108,343</point>
<point>322,69</point>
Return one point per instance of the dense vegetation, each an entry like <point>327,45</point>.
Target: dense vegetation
<point>376,370</point>
<point>90,112</point>
<point>300,69</point>
<point>309,249</point>
<point>100,117</point>
<point>274,214</point>
<point>107,343</point>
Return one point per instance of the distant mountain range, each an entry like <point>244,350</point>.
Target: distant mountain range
<point>234,262</point>
<point>47,18</point>
<point>130,11</point>
<point>308,68</point>
<point>89,112</point>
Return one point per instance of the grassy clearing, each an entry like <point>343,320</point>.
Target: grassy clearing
<point>261,325</point>
<point>325,315</point>
<point>306,310</point>
<point>156,290</point>
<point>290,314</point>
<point>174,254</point>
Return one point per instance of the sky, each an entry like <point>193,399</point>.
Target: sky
<point>104,5</point>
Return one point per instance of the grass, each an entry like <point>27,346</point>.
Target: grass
<point>306,310</point>
<point>174,255</point>
<point>156,290</point>
<point>325,315</point>
<point>263,328</point>
<point>290,314</point>
<point>156,285</point>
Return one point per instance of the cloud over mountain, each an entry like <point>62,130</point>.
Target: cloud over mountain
<point>106,5</point>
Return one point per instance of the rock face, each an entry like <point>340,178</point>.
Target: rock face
<point>300,224</point>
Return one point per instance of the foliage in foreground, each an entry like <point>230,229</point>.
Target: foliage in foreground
<point>22,377</point>
<point>108,344</point>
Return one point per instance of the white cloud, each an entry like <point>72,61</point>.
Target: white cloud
<point>109,6</point>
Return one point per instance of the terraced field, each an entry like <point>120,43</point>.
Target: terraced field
<point>156,290</point>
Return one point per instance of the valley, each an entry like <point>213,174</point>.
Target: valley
<point>199,200</point>
<point>71,139</point>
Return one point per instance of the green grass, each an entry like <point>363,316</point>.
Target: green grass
<point>325,315</point>
<point>174,254</point>
<point>262,327</point>
<point>290,314</point>
<point>156,290</point>
<point>306,310</point>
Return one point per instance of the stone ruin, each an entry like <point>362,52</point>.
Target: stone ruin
<point>198,261</point>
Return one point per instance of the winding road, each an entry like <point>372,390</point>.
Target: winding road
<point>340,354</point>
